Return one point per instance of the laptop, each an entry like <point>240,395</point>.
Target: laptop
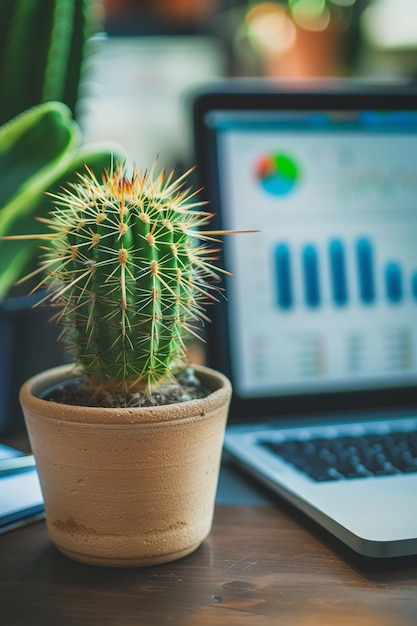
<point>318,327</point>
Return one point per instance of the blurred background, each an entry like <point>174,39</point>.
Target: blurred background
<point>131,83</point>
<point>151,53</point>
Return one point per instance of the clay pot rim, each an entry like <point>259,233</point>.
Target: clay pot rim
<point>217,382</point>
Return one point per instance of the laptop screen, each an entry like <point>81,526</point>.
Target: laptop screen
<point>323,298</point>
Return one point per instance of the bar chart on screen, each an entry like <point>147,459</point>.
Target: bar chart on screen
<point>338,273</point>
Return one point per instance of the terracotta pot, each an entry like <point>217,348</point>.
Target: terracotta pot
<point>131,486</point>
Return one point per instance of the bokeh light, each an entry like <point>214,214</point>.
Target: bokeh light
<point>310,14</point>
<point>390,24</point>
<point>269,28</point>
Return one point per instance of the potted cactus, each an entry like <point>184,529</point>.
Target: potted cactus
<point>127,440</point>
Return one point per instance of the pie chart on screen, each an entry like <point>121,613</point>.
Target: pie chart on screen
<point>277,173</point>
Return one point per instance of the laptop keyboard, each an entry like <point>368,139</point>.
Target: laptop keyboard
<point>348,457</point>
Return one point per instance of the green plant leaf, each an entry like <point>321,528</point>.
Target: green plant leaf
<point>17,258</point>
<point>39,152</point>
<point>29,144</point>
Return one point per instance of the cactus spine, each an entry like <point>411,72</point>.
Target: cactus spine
<point>129,273</point>
<point>43,44</point>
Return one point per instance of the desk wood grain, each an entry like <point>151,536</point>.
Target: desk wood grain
<point>259,566</point>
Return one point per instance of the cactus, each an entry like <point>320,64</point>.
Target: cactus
<point>43,44</point>
<point>130,270</point>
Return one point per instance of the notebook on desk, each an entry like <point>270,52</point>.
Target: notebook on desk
<point>318,330</point>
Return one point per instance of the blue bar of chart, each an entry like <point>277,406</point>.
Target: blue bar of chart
<point>311,275</point>
<point>365,269</point>
<point>337,259</point>
<point>324,268</point>
<point>393,282</point>
<point>283,272</point>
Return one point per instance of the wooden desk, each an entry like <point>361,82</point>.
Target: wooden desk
<point>261,566</point>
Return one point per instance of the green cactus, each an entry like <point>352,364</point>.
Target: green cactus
<point>43,45</point>
<point>130,270</point>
